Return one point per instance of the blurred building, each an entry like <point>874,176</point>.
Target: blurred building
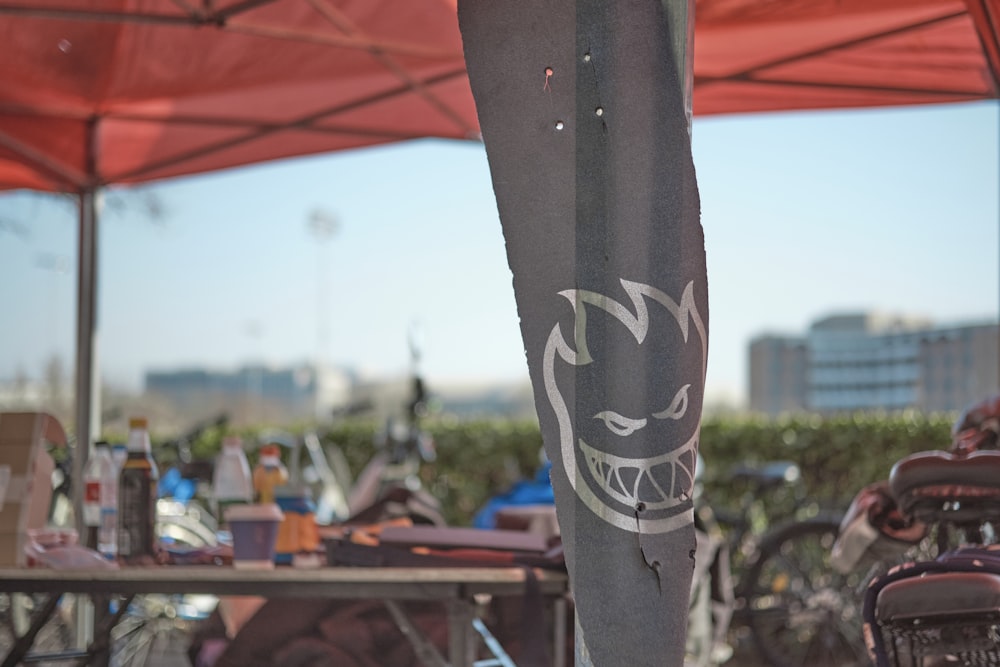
<point>777,374</point>
<point>872,361</point>
<point>175,399</point>
<point>255,393</point>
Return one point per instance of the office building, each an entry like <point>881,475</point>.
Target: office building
<point>260,391</point>
<point>872,361</point>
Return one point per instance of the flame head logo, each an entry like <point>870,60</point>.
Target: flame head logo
<point>631,456</point>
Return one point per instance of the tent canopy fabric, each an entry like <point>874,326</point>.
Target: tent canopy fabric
<point>99,92</point>
<point>96,92</point>
<point>760,55</point>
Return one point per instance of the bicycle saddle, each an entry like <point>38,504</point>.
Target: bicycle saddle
<point>938,595</point>
<point>774,473</point>
<point>938,485</point>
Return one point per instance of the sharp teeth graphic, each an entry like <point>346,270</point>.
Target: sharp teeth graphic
<point>629,476</point>
<point>663,480</point>
<point>659,482</point>
<point>613,480</point>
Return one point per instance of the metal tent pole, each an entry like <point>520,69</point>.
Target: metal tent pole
<point>88,388</point>
<point>680,15</point>
<point>87,380</point>
<point>87,394</point>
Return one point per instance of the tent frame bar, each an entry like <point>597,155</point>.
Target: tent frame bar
<point>221,19</point>
<point>194,16</point>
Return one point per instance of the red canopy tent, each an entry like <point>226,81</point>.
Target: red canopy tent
<point>754,55</point>
<point>98,92</point>
<point>108,92</point>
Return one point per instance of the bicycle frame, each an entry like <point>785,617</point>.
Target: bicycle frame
<point>785,592</point>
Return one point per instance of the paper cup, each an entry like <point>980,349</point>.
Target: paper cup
<point>255,532</point>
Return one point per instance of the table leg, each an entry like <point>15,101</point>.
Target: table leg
<point>461,639</point>
<point>426,652</point>
<point>559,632</point>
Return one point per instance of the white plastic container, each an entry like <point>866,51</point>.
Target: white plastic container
<point>232,482</point>
<point>107,531</point>
<point>93,480</point>
<point>101,505</point>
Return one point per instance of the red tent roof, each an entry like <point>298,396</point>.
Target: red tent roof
<point>122,91</point>
<point>97,92</point>
<point>764,55</point>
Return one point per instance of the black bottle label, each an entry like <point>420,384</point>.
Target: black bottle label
<point>137,512</point>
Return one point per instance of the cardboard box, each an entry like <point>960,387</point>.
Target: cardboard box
<point>25,478</point>
<point>12,549</point>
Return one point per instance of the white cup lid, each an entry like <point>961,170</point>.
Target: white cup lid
<point>256,512</point>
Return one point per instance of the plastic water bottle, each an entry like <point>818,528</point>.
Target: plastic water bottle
<point>137,487</point>
<point>101,499</point>
<point>231,480</point>
<point>92,488</point>
<point>107,529</point>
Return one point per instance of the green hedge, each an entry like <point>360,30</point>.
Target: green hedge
<point>837,456</point>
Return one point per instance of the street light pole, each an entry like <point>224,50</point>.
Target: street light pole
<point>56,265</point>
<point>323,225</point>
<point>255,373</point>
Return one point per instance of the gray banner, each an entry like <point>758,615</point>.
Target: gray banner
<point>585,129</point>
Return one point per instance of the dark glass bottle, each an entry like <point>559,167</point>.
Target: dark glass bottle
<point>137,491</point>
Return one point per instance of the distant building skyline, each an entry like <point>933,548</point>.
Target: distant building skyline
<point>301,391</point>
<point>874,361</point>
<point>842,362</point>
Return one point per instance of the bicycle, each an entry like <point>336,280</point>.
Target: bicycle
<point>389,484</point>
<point>938,604</point>
<point>402,449</point>
<point>182,509</point>
<point>787,599</point>
<point>763,574</point>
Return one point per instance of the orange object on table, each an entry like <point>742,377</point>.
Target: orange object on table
<point>268,474</point>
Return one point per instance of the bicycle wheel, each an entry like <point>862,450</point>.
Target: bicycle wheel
<point>801,611</point>
<point>16,611</point>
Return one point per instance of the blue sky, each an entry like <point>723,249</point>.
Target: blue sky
<point>804,214</point>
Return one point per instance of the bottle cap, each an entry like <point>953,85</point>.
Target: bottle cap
<point>232,441</point>
<point>138,422</point>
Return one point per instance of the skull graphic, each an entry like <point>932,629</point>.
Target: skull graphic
<point>635,388</point>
